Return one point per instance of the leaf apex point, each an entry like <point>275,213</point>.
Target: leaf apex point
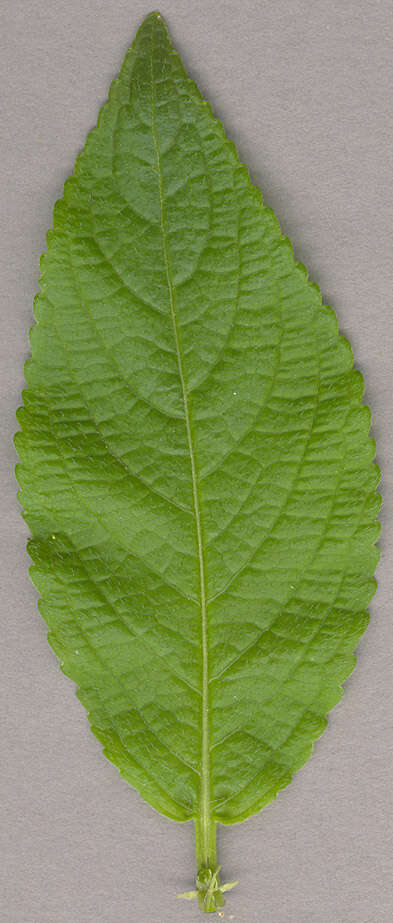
<point>154,16</point>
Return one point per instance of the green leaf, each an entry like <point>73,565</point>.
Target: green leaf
<point>196,469</point>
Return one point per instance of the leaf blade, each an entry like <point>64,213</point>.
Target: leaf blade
<point>258,422</point>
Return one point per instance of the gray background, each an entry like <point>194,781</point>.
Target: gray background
<point>303,89</point>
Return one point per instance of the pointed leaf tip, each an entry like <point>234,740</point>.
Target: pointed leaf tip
<point>152,20</point>
<point>155,16</point>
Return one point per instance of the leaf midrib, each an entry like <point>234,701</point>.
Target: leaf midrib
<point>205,733</point>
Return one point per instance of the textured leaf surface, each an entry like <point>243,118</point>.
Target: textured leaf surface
<point>196,468</point>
